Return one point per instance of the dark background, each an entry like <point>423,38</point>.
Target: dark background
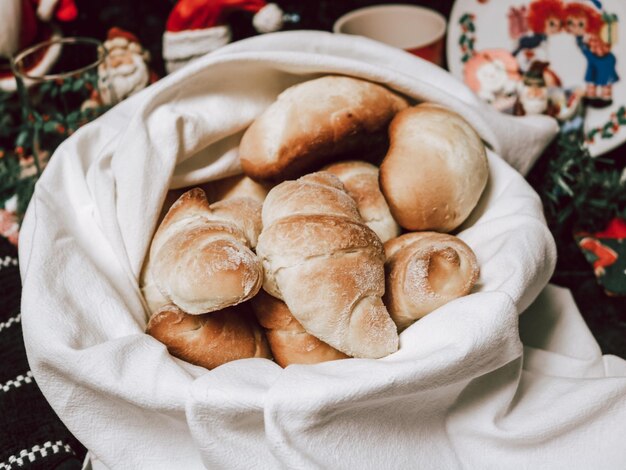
<point>605,316</point>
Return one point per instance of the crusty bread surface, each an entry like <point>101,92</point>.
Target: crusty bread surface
<point>212,339</point>
<point>360,180</point>
<point>326,265</point>
<point>201,259</point>
<point>425,270</point>
<point>288,340</point>
<point>435,170</point>
<point>314,121</point>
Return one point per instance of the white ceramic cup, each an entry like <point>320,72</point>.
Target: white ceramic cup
<point>415,29</point>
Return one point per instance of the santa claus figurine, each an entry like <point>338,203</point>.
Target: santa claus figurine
<point>125,70</point>
<point>196,27</point>
<point>533,95</point>
<point>24,24</point>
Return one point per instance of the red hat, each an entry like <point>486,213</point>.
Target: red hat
<point>64,10</point>
<point>202,14</point>
<point>196,27</point>
<point>116,32</point>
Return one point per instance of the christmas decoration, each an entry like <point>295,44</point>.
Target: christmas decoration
<point>610,128</point>
<point>196,27</point>
<point>125,70</point>
<point>606,251</point>
<point>586,23</point>
<point>26,22</point>
<point>468,37</point>
<point>493,75</point>
<point>533,95</point>
<point>585,198</point>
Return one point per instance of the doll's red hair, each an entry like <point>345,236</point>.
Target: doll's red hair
<point>540,10</point>
<point>577,10</point>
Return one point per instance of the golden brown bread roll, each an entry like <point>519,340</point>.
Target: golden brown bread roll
<point>151,293</point>
<point>209,340</point>
<point>326,265</point>
<point>314,121</point>
<point>239,210</point>
<point>360,180</point>
<point>425,270</point>
<point>435,170</point>
<point>234,187</point>
<point>200,255</point>
<point>288,340</point>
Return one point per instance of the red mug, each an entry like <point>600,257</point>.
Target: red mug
<point>418,30</point>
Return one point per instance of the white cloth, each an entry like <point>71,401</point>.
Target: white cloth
<point>460,393</point>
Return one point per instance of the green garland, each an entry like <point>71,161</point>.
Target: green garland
<point>610,128</point>
<point>579,192</point>
<point>20,125</point>
<point>468,36</point>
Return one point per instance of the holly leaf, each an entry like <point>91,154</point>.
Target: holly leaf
<point>22,138</point>
<point>50,126</point>
<point>78,84</point>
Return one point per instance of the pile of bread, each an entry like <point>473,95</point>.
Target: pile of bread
<point>335,238</point>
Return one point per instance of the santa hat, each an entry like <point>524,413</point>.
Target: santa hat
<point>118,38</point>
<point>65,10</point>
<point>195,28</point>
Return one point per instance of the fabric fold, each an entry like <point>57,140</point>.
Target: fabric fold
<point>454,395</point>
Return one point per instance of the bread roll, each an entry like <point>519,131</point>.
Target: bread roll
<point>209,340</point>
<point>151,293</point>
<point>360,180</point>
<point>425,270</point>
<point>314,121</point>
<point>326,265</point>
<point>201,257</point>
<point>435,170</point>
<point>236,186</point>
<point>288,340</point>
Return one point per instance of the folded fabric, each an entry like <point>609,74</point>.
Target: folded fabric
<point>458,393</point>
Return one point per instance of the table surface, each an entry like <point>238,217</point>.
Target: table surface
<point>26,417</point>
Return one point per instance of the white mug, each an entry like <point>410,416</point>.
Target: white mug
<point>415,29</point>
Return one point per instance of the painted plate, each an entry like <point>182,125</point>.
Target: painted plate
<point>559,57</point>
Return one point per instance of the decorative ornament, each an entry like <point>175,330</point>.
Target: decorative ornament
<point>125,70</point>
<point>27,22</point>
<point>533,96</point>
<point>606,251</point>
<point>493,75</point>
<point>468,36</point>
<point>197,27</point>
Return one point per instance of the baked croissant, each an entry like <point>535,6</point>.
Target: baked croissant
<point>326,265</point>
<point>288,340</point>
<point>209,340</point>
<point>425,270</point>
<point>200,255</point>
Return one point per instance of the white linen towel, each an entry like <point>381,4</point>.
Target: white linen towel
<point>462,391</point>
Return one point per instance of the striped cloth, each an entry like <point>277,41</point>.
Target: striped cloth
<point>31,434</point>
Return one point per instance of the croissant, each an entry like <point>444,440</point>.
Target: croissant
<point>326,265</point>
<point>200,255</point>
<point>425,270</point>
<point>288,340</point>
<point>209,340</point>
